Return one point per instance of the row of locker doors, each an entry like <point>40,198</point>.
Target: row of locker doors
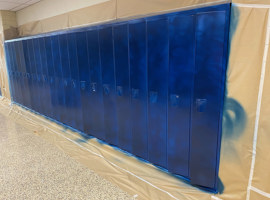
<point>153,86</point>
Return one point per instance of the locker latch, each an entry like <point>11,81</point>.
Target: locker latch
<point>201,105</point>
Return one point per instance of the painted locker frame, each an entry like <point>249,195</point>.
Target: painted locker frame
<point>136,93</point>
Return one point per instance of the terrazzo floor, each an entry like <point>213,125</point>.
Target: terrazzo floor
<point>32,168</point>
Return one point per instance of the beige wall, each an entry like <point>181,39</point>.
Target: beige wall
<point>49,8</point>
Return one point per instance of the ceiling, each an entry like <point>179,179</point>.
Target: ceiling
<point>15,5</point>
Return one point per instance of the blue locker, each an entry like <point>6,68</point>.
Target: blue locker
<point>13,74</point>
<point>76,112</point>
<point>45,79</point>
<point>108,81</point>
<point>138,84</point>
<point>58,78</point>
<point>122,71</point>
<point>66,111</point>
<point>51,77</point>
<point>158,60</point>
<point>153,86</point>
<point>180,88</point>
<point>84,72</point>
<point>26,91</point>
<point>35,90</point>
<point>39,83</point>
<point>19,73</point>
<point>28,71</point>
<point>16,74</point>
<point>96,119</point>
<point>208,97</point>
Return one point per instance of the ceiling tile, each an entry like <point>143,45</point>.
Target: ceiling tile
<point>19,7</point>
<point>15,5</point>
<point>31,2</point>
<point>7,5</point>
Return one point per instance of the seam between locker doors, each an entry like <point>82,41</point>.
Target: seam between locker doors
<point>147,86</point>
<point>114,90</point>
<point>167,93</point>
<point>192,89</point>
<point>101,82</point>
<point>258,109</point>
<point>129,91</point>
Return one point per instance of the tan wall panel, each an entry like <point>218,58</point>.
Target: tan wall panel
<point>267,2</point>
<point>49,8</point>
<point>128,8</point>
<point>82,17</point>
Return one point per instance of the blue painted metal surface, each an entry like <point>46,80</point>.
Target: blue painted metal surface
<point>152,86</point>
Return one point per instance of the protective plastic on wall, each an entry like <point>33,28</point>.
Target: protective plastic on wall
<point>151,86</point>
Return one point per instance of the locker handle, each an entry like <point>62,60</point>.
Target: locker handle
<point>51,80</point>
<point>119,91</point>
<point>73,84</point>
<point>153,97</point>
<point>106,89</point>
<point>27,75</point>
<point>38,78</point>
<point>94,87</point>
<point>201,105</point>
<point>44,78</point>
<point>65,83</point>
<point>135,93</point>
<point>175,99</point>
<point>83,85</point>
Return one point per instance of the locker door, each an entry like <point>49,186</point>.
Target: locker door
<point>39,83</point>
<point>138,84</point>
<point>66,79</point>
<point>59,86</point>
<point>76,113</point>
<point>96,122</point>
<point>51,77</point>
<point>35,90</point>
<point>208,97</point>
<point>28,72</point>
<point>21,90</point>
<point>84,72</point>
<point>26,93</point>
<point>17,73</point>
<point>13,71</point>
<point>108,81</point>
<point>181,77</point>
<point>121,55</point>
<point>158,44</point>
<point>45,79</point>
